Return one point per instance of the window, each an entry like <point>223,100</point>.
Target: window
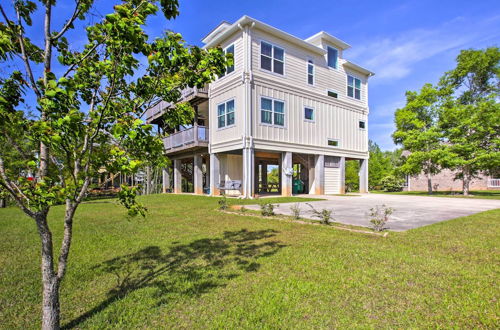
<point>332,57</point>
<point>333,143</point>
<point>272,112</point>
<point>310,72</point>
<point>225,114</point>
<point>362,124</point>
<point>332,161</point>
<point>354,87</point>
<point>229,69</point>
<point>309,114</point>
<point>333,94</point>
<point>272,58</point>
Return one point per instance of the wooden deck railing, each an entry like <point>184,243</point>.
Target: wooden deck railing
<point>186,95</point>
<point>187,137</point>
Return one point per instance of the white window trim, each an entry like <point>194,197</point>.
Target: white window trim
<point>304,114</point>
<point>329,139</point>
<point>307,72</point>
<point>338,57</point>
<point>272,59</point>
<point>364,121</point>
<point>260,109</point>
<point>333,91</point>
<point>225,115</point>
<point>360,85</point>
<point>234,61</point>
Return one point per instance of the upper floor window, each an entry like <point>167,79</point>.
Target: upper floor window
<point>229,69</point>
<point>225,114</point>
<point>362,124</point>
<point>332,57</point>
<point>309,114</point>
<point>354,87</point>
<point>333,142</point>
<point>310,72</point>
<point>272,112</point>
<point>272,58</point>
<point>332,94</point>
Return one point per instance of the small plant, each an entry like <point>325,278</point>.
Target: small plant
<point>267,209</point>
<point>324,215</point>
<point>223,203</point>
<point>379,216</point>
<point>295,208</point>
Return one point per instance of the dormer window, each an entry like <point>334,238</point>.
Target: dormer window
<point>332,57</point>
<point>272,58</point>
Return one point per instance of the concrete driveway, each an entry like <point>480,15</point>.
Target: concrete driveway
<point>409,211</point>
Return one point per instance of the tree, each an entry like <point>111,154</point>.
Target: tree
<point>470,118</point>
<point>88,103</point>
<point>381,164</point>
<point>418,132</point>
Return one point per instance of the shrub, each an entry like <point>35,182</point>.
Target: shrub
<point>223,203</point>
<point>267,209</point>
<point>243,209</point>
<point>324,215</point>
<point>295,211</point>
<point>392,183</point>
<point>379,216</point>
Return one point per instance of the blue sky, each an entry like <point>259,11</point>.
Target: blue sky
<point>406,43</point>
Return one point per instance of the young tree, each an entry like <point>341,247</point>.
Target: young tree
<point>381,164</point>
<point>470,119</point>
<point>88,103</point>
<point>418,132</point>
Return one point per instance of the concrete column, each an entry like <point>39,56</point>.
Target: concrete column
<point>165,180</point>
<point>248,172</point>
<point>363,175</point>
<point>177,177</point>
<point>319,174</point>
<point>342,175</point>
<point>311,165</point>
<point>198,174</point>
<point>286,174</point>
<point>214,175</point>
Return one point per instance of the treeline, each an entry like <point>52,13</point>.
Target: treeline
<point>454,124</point>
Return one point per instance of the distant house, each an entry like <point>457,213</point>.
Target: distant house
<point>444,182</point>
<point>289,103</point>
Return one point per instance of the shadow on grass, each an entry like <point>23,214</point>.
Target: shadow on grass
<point>187,269</point>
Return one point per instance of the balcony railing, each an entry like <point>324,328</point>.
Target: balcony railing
<point>191,137</point>
<point>187,94</point>
<point>493,183</point>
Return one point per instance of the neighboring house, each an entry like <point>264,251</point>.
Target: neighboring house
<point>287,102</point>
<point>444,181</point>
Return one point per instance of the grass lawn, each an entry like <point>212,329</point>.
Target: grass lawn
<point>485,194</point>
<point>188,265</point>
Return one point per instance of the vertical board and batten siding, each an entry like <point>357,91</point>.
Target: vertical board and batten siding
<point>332,180</point>
<point>331,122</point>
<point>226,134</point>
<point>325,78</point>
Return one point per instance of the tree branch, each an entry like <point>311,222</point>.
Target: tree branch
<point>66,26</point>
<point>11,188</point>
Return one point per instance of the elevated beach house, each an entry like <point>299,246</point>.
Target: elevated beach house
<point>296,106</point>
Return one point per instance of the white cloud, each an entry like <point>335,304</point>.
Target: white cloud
<point>394,57</point>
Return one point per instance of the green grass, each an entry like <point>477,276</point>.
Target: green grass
<point>188,265</point>
<point>483,194</point>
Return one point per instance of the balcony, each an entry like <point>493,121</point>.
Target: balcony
<point>187,140</point>
<point>193,95</point>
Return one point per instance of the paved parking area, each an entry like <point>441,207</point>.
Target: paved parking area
<point>409,211</point>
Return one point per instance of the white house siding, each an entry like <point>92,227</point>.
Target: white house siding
<point>235,91</point>
<point>332,180</point>
<point>333,120</point>
<point>296,58</point>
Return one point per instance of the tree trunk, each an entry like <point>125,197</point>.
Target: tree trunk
<point>3,203</point>
<point>50,281</point>
<point>466,184</point>
<point>429,183</point>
